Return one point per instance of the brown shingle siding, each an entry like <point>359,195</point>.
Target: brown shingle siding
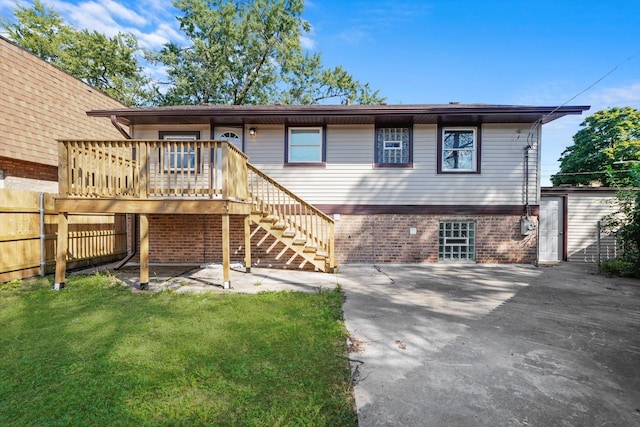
<point>41,103</point>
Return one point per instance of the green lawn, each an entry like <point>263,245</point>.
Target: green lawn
<point>98,354</point>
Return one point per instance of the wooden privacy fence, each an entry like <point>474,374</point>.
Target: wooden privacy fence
<point>28,227</point>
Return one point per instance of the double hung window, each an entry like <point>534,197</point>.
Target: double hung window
<point>305,145</point>
<point>458,150</point>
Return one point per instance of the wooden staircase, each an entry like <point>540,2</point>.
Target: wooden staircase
<point>294,223</point>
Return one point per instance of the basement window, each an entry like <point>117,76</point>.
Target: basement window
<point>456,241</point>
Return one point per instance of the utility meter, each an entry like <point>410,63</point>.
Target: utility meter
<point>527,226</point>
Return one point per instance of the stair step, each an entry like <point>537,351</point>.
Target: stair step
<point>294,241</point>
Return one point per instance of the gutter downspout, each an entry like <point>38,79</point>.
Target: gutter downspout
<point>42,237</point>
<point>130,249</point>
<point>526,181</point>
<point>114,122</point>
<point>531,137</point>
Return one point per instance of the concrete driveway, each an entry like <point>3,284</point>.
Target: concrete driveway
<point>470,345</point>
<point>487,345</point>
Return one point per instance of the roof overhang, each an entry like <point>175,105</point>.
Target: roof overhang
<point>339,114</point>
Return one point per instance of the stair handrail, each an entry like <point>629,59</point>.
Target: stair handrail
<point>280,208</point>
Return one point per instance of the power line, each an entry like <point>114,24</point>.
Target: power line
<point>607,74</point>
<point>593,172</point>
<point>596,82</point>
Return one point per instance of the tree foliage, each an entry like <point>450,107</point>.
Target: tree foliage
<point>607,140</point>
<point>249,52</point>
<point>625,225</point>
<point>240,52</point>
<point>106,63</point>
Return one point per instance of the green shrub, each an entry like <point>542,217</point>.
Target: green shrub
<point>621,267</point>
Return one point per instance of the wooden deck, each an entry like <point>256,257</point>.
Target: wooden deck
<point>147,177</point>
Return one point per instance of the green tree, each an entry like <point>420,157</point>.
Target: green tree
<point>106,63</point>
<point>607,138</point>
<point>40,30</point>
<point>249,52</point>
<point>625,225</point>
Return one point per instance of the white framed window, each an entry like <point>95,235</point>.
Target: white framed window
<point>393,146</point>
<point>392,151</point>
<point>456,241</point>
<point>458,149</point>
<point>304,145</point>
<point>178,156</point>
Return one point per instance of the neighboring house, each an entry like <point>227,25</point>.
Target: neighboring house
<point>569,219</point>
<point>400,183</point>
<point>41,103</point>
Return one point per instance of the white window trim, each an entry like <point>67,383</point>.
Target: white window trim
<point>474,161</point>
<point>307,128</point>
<point>391,149</point>
<point>188,151</point>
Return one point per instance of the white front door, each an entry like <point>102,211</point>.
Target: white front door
<point>231,134</point>
<point>551,229</point>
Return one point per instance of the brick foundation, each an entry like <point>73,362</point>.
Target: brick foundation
<point>376,238</point>
<point>198,239</point>
<point>386,238</point>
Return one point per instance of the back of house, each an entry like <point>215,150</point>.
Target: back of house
<point>402,183</point>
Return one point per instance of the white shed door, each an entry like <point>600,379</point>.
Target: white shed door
<point>551,226</point>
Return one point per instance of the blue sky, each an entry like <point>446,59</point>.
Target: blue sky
<point>541,52</point>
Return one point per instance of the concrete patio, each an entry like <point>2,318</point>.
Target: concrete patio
<point>471,345</point>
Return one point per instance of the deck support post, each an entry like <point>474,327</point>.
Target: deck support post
<point>332,249</point>
<point>226,249</point>
<point>144,252</point>
<point>247,243</point>
<point>61,250</point>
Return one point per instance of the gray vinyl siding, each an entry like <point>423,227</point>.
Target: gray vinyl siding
<point>349,175</point>
<point>266,147</point>
<point>583,213</point>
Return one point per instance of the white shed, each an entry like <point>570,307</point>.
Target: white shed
<point>569,224</point>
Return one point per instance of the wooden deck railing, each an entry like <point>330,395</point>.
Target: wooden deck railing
<point>192,169</point>
<point>152,168</point>
<point>309,223</point>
